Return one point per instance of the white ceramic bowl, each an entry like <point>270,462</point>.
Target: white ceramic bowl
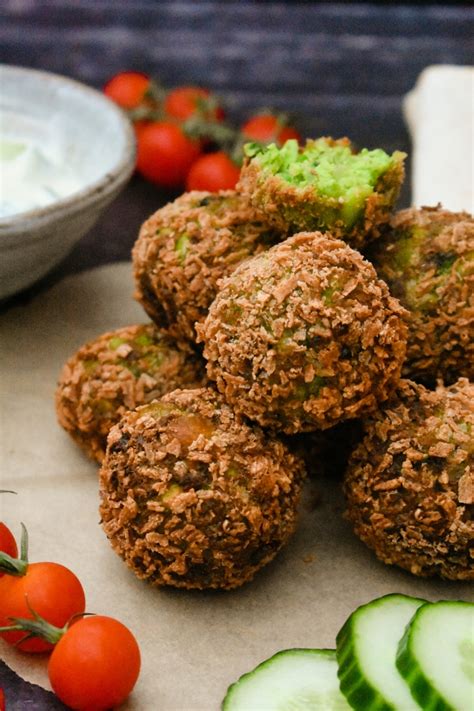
<point>99,145</point>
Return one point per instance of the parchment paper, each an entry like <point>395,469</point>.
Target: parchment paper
<point>193,644</point>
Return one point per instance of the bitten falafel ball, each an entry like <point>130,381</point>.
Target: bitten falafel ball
<point>410,484</point>
<point>186,247</point>
<point>192,496</point>
<point>427,260</point>
<point>304,336</point>
<point>116,372</point>
<point>324,185</point>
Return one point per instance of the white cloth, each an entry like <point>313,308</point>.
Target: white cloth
<point>440,117</point>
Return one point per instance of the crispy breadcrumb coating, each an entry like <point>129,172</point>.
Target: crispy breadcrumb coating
<point>325,185</point>
<point>427,260</point>
<point>304,336</point>
<point>192,496</point>
<point>186,247</point>
<point>116,372</point>
<point>410,484</point>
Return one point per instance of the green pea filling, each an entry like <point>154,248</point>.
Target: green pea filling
<point>333,170</point>
<point>153,361</point>
<point>303,391</point>
<point>408,246</point>
<point>116,342</point>
<point>444,263</point>
<point>143,340</point>
<point>159,409</point>
<point>172,491</point>
<point>90,365</point>
<point>232,471</point>
<point>104,408</point>
<point>181,247</point>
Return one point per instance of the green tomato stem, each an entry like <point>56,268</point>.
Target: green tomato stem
<point>38,627</point>
<point>16,566</point>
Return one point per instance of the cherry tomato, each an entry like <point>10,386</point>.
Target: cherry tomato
<point>2,700</point>
<point>165,154</point>
<point>7,542</point>
<point>183,102</point>
<point>213,172</point>
<point>266,128</point>
<point>50,589</point>
<point>127,89</point>
<point>95,665</point>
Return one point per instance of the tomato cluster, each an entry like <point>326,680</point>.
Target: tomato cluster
<point>95,660</point>
<point>183,139</point>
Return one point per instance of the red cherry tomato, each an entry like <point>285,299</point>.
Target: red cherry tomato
<point>165,154</point>
<point>213,172</point>
<point>7,542</point>
<point>127,89</point>
<point>95,665</point>
<point>183,102</point>
<point>266,128</point>
<point>50,589</point>
<point>138,127</point>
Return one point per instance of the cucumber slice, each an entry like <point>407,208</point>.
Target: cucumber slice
<point>366,648</point>
<point>291,680</point>
<point>436,656</point>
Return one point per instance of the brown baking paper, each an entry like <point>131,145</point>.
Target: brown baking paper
<point>193,644</point>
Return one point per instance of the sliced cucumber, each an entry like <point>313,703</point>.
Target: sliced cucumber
<point>366,653</point>
<point>436,656</point>
<point>292,680</point>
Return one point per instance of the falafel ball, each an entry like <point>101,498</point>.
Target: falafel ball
<point>324,185</point>
<point>186,247</point>
<point>192,496</point>
<point>116,372</point>
<point>427,260</point>
<point>410,483</point>
<point>304,336</point>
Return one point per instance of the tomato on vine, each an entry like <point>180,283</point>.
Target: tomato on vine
<point>7,543</point>
<point>165,154</point>
<point>127,89</point>
<point>268,128</point>
<point>185,101</point>
<point>213,172</point>
<point>95,661</point>
<point>95,664</point>
<point>48,589</point>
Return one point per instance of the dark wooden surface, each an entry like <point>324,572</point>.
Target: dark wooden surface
<point>342,68</point>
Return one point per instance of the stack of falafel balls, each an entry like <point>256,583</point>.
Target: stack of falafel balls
<point>274,337</point>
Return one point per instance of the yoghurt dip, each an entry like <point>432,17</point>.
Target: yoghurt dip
<point>33,174</point>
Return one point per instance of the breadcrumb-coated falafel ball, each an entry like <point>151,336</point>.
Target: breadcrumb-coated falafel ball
<point>192,496</point>
<point>116,372</point>
<point>324,185</point>
<point>410,483</point>
<point>186,247</point>
<point>427,260</point>
<point>304,336</point>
